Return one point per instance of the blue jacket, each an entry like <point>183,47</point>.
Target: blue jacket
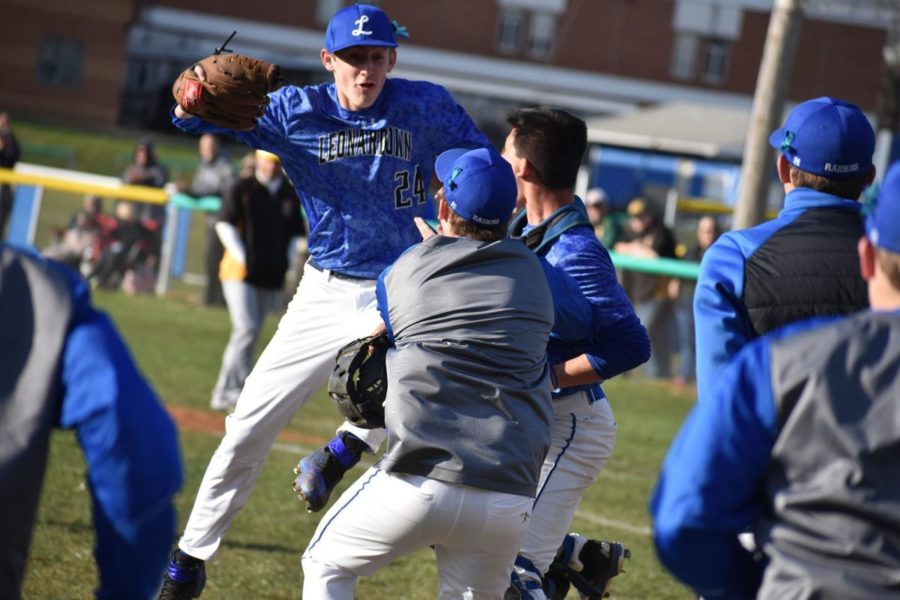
<point>722,322</point>
<point>64,365</point>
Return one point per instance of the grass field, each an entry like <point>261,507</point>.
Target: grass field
<point>178,345</point>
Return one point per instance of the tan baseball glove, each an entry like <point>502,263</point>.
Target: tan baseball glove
<point>232,91</point>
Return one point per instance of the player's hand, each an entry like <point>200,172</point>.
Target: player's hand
<point>379,329</point>
<point>426,230</point>
<point>180,112</point>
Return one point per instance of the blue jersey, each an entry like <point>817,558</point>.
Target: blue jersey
<point>361,176</point>
<point>617,341</point>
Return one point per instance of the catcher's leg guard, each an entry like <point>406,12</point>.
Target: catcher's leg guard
<point>320,472</point>
<point>185,577</point>
<point>589,564</point>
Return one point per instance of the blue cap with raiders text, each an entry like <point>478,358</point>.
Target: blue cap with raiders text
<point>883,220</point>
<point>479,185</point>
<point>359,25</point>
<point>828,137</point>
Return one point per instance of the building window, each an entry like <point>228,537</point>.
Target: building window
<point>509,32</point>
<point>325,9</point>
<point>684,56</point>
<point>60,62</point>
<point>715,64</point>
<point>540,41</point>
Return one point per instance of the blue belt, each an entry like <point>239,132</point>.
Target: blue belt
<point>336,274</point>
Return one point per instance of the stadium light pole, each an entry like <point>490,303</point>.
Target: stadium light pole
<point>782,39</point>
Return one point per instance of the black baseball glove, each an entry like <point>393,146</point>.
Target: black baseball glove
<point>358,383</point>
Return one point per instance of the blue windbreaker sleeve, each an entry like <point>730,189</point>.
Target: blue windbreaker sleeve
<point>131,448</point>
<point>572,313</point>
<point>721,324</point>
<point>619,342</point>
<point>709,486</point>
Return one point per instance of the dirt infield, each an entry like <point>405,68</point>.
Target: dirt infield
<point>204,421</point>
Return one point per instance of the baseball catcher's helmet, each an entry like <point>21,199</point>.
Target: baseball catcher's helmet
<point>358,383</point>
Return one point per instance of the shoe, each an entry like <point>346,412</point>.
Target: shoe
<point>185,577</point>
<point>590,564</point>
<point>319,473</point>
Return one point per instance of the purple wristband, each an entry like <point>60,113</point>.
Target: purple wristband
<point>342,453</point>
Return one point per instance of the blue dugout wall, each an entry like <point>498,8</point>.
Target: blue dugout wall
<point>626,174</point>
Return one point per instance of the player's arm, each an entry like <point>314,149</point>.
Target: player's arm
<point>230,215</point>
<point>264,130</point>
<point>720,322</point>
<point>573,318</point>
<point>618,340</point>
<point>131,449</point>
<point>709,487</point>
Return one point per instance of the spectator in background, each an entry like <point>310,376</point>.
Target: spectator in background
<point>9,156</point>
<point>608,224</point>
<point>260,215</point>
<point>88,234</point>
<point>648,237</point>
<point>65,366</point>
<point>146,169</point>
<point>131,258</point>
<point>682,293</point>
<point>213,177</point>
<point>248,165</point>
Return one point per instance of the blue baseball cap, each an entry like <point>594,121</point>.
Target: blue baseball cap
<point>828,137</point>
<point>359,25</point>
<point>883,221</point>
<point>479,185</point>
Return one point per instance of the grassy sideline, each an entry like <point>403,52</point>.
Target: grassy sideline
<point>178,345</point>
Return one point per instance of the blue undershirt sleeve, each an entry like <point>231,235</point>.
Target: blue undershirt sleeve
<point>382,302</point>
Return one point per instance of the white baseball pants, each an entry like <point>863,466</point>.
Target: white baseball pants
<point>584,435</point>
<point>382,516</point>
<point>325,313</point>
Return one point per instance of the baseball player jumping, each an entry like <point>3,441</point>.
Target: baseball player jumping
<point>545,146</point>
<point>360,154</point>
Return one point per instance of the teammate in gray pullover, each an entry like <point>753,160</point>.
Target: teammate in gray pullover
<point>468,406</point>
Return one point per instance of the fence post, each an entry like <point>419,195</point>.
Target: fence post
<point>170,231</point>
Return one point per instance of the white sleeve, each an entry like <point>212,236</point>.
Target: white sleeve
<point>231,239</point>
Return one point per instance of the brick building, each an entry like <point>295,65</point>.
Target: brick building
<point>64,59</point>
<point>114,60</point>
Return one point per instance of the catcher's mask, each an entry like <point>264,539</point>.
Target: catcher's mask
<point>358,382</point>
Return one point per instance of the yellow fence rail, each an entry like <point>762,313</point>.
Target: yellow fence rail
<point>137,193</point>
